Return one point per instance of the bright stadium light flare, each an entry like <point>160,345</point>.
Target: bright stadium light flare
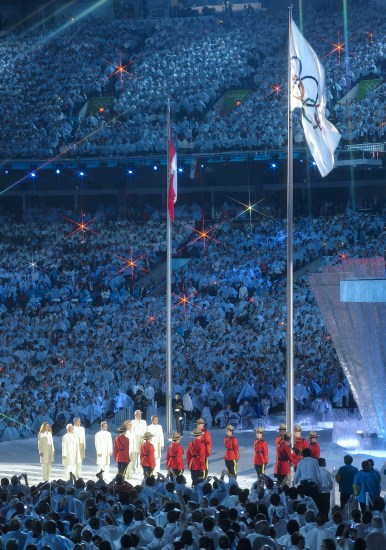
<point>338,47</point>
<point>80,226</point>
<point>184,301</point>
<point>276,89</point>
<point>132,264</point>
<point>204,235</point>
<point>120,69</point>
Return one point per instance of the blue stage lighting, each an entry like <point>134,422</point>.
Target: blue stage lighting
<point>155,167</point>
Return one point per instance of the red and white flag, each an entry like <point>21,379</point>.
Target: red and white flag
<point>172,190</point>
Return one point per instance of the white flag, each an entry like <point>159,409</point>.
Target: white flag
<point>172,185</point>
<point>308,92</point>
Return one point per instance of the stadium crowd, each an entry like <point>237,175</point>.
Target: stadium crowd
<point>60,297</point>
<point>167,513</point>
<point>194,61</point>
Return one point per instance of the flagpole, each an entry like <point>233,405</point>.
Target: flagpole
<point>290,333</point>
<point>168,293</point>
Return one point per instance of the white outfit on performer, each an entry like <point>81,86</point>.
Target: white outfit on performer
<point>104,450</point>
<point>158,443</point>
<point>70,454</point>
<point>46,451</point>
<point>138,428</point>
<point>80,432</point>
<point>131,437</point>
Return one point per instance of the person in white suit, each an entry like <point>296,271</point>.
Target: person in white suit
<point>81,435</point>
<point>46,450</point>
<point>139,428</point>
<point>70,452</point>
<point>104,449</point>
<point>157,441</point>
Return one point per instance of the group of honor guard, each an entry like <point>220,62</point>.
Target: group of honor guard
<point>288,455</point>
<point>137,450</point>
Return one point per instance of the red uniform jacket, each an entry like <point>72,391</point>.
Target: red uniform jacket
<point>261,452</point>
<point>121,449</point>
<point>278,441</point>
<point>195,455</point>
<point>315,450</point>
<point>231,448</point>
<point>147,455</point>
<point>284,459</point>
<point>299,443</point>
<point>207,441</point>
<point>174,456</point>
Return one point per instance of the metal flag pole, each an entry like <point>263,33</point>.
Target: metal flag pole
<point>168,292</point>
<point>290,200</point>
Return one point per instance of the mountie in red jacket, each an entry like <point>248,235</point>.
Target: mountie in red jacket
<point>231,445</point>
<point>121,449</point>
<point>147,455</point>
<point>195,455</point>
<point>175,456</point>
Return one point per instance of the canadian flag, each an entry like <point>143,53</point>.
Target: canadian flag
<point>172,190</point>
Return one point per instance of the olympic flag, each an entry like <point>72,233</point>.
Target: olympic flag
<point>308,92</point>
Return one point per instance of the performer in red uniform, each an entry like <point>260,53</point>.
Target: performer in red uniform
<point>195,456</point>
<point>232,454</point>
<point>300,443</point>
<point>146,455</point>
<point>278,442</point>
<point>207,441</point>
<point>260,459</point>
<point>284,460</point>
<point>174,455</point>
<point>122,451</point>
<point>314,445</point>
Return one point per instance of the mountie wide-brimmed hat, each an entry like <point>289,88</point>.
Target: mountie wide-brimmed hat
<point>297,428</point>
<point>196,432</point>
<point>176,436</point>
<point>313,434</point>
<point>147,435</point>
<point>200,421</point>
<point>230,428</point>
<point>260,430</point>
<point>282,427</point>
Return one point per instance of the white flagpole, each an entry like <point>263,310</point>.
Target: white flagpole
<point>290,200</point>
<point>168,293</point>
